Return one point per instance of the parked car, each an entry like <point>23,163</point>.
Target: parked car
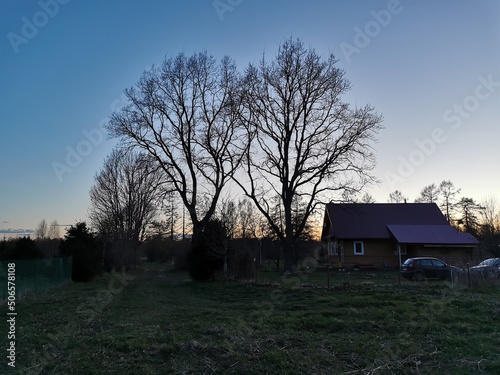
<point>422,268</point>
<point>488,269</point>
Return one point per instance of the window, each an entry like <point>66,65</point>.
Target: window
<point>438,263</point>
<point>359,248</point>
<point>332,248</point>
<point>425,263</point>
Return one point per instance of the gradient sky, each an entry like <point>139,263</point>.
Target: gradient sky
<point>431,68</point>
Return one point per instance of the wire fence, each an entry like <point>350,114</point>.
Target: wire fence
<point>33,275</point>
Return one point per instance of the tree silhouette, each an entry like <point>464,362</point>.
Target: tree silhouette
<point>305,141</point>
<point>182,114</point>
<point>469,211</point>
<point>82,245</point>
<point>397,197</point>
<point>449,194</point>
<point>123,201</point>
<point>429,194</point>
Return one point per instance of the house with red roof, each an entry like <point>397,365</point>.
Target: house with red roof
<point>382,235</point>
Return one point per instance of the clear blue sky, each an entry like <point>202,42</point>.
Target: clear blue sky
<point>431,68</point>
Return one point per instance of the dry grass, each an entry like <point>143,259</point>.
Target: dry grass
<point>161,322</point>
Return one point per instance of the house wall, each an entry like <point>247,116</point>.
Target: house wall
<point>457,256</point>
<point>379,253</point>
<point>384,254</point>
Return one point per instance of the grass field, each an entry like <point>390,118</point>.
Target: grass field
<point>156,321</point>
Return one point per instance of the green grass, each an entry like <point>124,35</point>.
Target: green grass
<point>162,323</point>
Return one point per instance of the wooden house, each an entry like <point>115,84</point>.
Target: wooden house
<point>381,235</point>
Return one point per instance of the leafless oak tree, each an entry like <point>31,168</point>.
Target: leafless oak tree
<point>305,141</point>
<point>182,114</point>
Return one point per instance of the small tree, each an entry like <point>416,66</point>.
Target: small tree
<point>208,255</point>
<point>54,230</point>
<point>397,197</point>
<point>229,217</point>
<point>124,201</point>
<point>42,231</point>
<point>247,219</point>
<point>490,225</point>
<point>469,211</point>
<point>449,196</point>
<point>86,251</point>
<point>429,194</point>
<point>367,198</point>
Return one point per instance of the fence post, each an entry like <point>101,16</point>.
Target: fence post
<point>468,275</point>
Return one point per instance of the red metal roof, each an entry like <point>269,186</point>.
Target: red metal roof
<point>431,235</point>
<point>370,220</point>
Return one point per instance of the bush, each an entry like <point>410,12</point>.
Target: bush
<point>159,249</point>
<point>20,248</point>
<point>86,251</point>
<point>180,252</point>
<point>207,254</point>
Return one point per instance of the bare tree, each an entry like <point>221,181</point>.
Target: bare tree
<point>229,217</point>
<point>490,225</point>
<point>367,198</point>
<point>490,214</point>
<point>449,195</point>
<point>397,197</point>
<point>429,194</point>
<point>182,115</point>
<point>170,214</point>
<point>54,232</point>
<point>305,141</point>
<point>247,219</point>
<point>124,200</point>
<point>42,231</point>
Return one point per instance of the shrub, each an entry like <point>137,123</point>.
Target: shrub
<point>180,251</point>
<point>159,249</point>
<point>86,251</point>
<point>207,254</point>
<point>20,248</point>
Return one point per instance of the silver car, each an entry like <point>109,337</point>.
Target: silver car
<point>488,269</point>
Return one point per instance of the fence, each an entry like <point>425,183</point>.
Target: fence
<point>35,275</point>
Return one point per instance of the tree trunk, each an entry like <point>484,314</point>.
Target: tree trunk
<point>288,247</point>
<point>195,238</point>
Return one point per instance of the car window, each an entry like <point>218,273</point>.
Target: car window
<point>407,261</point>
<point>438,263</point>
<point>425,263</point>
<point>487,262</point>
